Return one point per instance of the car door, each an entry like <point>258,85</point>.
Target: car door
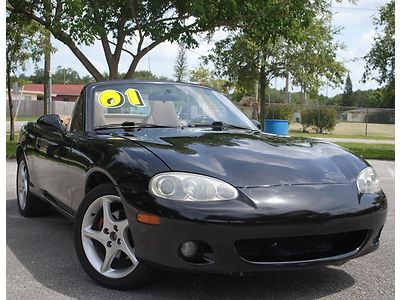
<point>52,149</point>
<point>78,162</point>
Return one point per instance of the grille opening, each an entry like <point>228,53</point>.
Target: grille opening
<point>301,248</point>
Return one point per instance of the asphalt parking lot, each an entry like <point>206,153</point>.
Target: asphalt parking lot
<point>41,264</point>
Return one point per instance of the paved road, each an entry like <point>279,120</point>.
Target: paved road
<point>41,264</point>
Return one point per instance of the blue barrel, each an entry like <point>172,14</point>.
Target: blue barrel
<point>280,127</point>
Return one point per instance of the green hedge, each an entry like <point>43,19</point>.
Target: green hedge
<point>280,112</point>
<point>319,119</point>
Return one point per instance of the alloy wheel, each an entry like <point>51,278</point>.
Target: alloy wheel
<point>106,238</point>
<point>23,184</point>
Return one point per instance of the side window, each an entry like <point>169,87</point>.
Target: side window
<point>77,123</point>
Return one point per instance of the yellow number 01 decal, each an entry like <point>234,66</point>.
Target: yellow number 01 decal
<point>134,97</point>
<point>113,98</point>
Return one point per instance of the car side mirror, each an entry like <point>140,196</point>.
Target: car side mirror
<point>51,122</point>
<point>257,123</point>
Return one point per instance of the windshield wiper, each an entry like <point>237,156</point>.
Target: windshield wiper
<point>218,125</point>
<point>130,125</point>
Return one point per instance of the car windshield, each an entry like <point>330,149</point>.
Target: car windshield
<point>164,105</point>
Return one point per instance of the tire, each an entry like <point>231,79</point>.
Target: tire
<point>103,241</point>
<point>28,204</point>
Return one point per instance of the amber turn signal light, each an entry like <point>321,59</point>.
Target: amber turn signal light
<point>148,219</point>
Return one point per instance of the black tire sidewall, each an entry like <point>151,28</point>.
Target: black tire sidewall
<point>34,207</point>
<point>137,277</point>
<point>22,211</point>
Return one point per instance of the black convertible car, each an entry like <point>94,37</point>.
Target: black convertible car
<point>173,175</point>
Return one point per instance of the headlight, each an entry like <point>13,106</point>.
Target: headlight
<point>368,181</point>
<point>190,187</point>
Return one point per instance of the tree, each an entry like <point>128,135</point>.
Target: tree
<point>313,61</point>
<point>181,64</point>
<point>62,75</point>
<point>381,58</point>
<point>22,44</point>
<point>36,77</point>
<point>347,99</point>
<point>139,75</point>
<point>66,76</point>
<point>307,53</point>
<point>240,60</point>
<point>144,75</point>
<point>201,75</point>
<point>117,23</point>
<point>87,79</point>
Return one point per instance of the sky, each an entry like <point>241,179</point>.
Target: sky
<point>357,35</point>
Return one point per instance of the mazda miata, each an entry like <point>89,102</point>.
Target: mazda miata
<point>174,175</point>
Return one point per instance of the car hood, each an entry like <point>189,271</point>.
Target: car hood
<point>250,159</point>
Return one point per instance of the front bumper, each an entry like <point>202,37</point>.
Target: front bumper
<point>283,213</point>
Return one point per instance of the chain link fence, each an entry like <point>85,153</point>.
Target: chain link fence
<point>331,119</point>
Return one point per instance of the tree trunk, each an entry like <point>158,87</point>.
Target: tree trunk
<point>132,67</point>
<point>10,105</point>
<point>287,88</point>
<point>112,62</point>
<point>262,82</point>
<point>305,97</point>
<point>46,72</point>
<point>113,70</point>
<point>131,71</point>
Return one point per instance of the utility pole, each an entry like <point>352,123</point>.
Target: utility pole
<point>47,54</point>
<point>50,110</point>
<point>46,95</point>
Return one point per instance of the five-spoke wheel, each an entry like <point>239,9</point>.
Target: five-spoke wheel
<point>104,240</point>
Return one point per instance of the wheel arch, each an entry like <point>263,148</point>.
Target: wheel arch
<point>19,152</point>
<point>97,176</point>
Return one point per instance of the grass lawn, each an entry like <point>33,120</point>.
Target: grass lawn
<point>28,119</point>
<point>333,135</point>
<point>352,130</point>
<point>371,151</point>
<point>11,146</point>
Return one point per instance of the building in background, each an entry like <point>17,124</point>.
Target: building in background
<point>59,92</point>
<point>28,101</point>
